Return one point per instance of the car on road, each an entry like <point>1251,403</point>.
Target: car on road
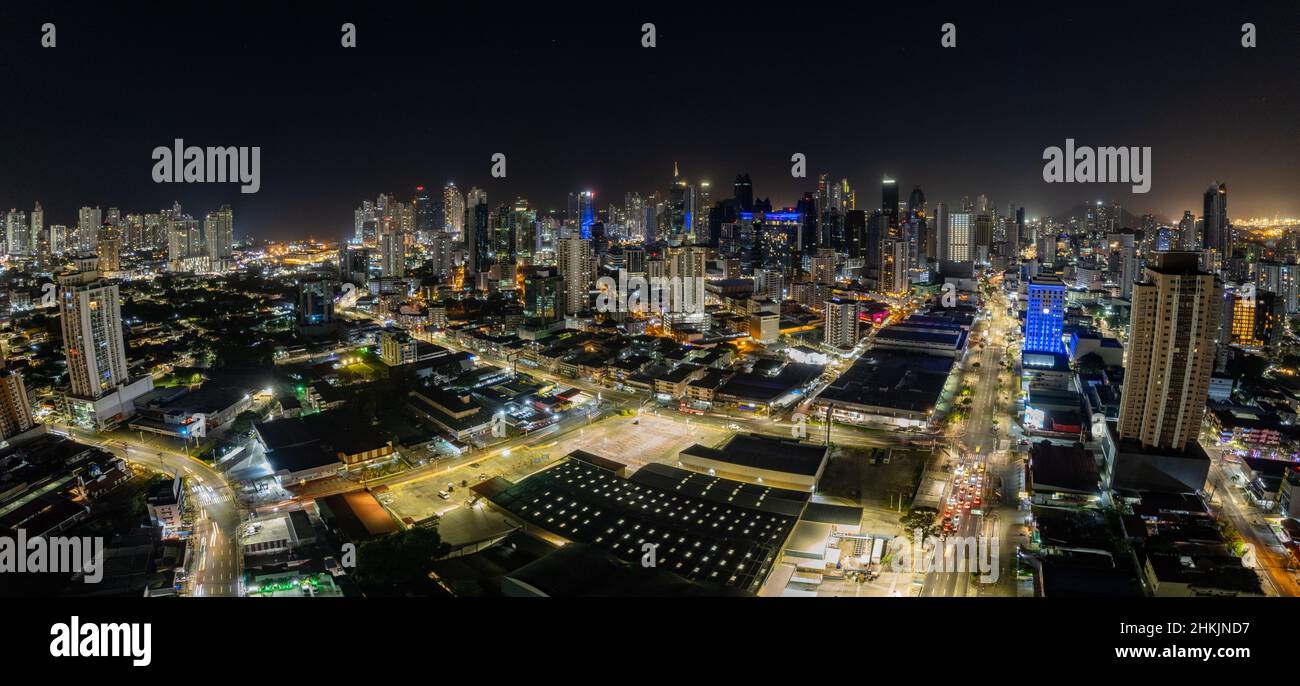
<point>444,495</point>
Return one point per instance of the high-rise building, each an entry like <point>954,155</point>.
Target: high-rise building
<point>90,311</point>
<point>17,234</point>
<point>392,258</point>
<point>889,200</point>
<point>315,302</point>
<point>841,324</point>
<point>38,236</point>
<point>426,213</point>
<point>89,219</point>
<point>478,235</point>
<point>1171,353</point>
<point>543,295</point>
<point>15,408</point>
<point>454,209</point>
<point>1217,237</point>
<point>1188,239</point>
<point>577,268</point>
<point>1046,246</point>
<point>958,235</point>
<point>1045,315</point>
<point>219,236</point>
<point>743,190</point>
<point>586,213</point>
<point>634,211</point>
<point>58,239</point>
<point>895,271</point>
<point>109,248</point>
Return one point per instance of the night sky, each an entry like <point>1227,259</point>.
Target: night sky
<point>568,93</point>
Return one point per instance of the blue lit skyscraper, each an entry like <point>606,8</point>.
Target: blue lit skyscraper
<point>1045,315</point>
<point>586,214</point>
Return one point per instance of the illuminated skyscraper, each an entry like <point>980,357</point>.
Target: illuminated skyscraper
<point>889,200</point>
<point>577,268</point>
<point>15,408</point>
<point>1217,232</point>
<point>957,236</point>
<point>90,312</point>
<point>454,209</point>
<point>1045,315</point>
<point>1171,351</point>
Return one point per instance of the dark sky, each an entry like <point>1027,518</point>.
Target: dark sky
<point>566,91</point>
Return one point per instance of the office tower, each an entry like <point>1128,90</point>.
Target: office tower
<point>89,220</point>
<point>315,302</point>
<point>1045,315</point>
<point>478,235</point>
<point>91,317</point>
<point>516,236</point>
<point>586,213</point>
<point>17,234</point>
<point>576,266</point>
<point>543,295</point>
<point>354,265</point>
<point>700,210</point>
<point>681,204</point>
<point>855,234</point>
<point>916,202</point>
<point>454,206</point>
<point>743,191</point>
<point>895,270</point>
<point>889,200</point>
<point>1171,353</point>
<point>983,230</point>
<point>634,260</point>
<point>634,211</point>
<point>15,408</point>
<point>1217,236</point>
<point>841,327</point>
<point>219,235</point>
<point>958,236</point>
<point>426,213</point>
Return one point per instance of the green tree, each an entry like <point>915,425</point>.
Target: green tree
<point>243,422</point>
<point>920,518</point>
<point>398,564</point>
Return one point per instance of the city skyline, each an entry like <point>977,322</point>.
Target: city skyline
<point>591,111</point>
